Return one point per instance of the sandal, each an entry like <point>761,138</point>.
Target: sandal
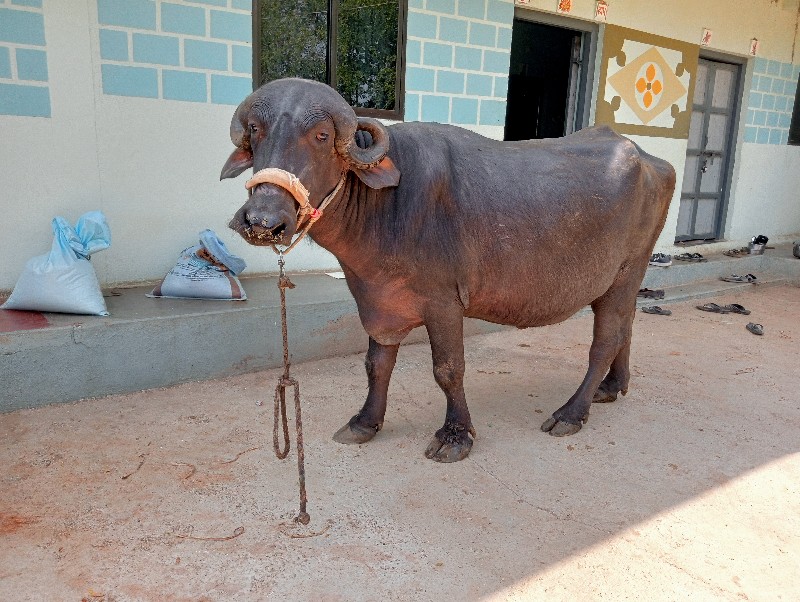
<point>737,252</point>
<point>646,293</point>
<point>736,278</point>
<point>655,309</point>
<point>713,307</point>
<point>735,308</point>
<point>692,257</point>
<point>755,328</point>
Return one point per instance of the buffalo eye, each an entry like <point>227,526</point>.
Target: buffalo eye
<point>322,136</point>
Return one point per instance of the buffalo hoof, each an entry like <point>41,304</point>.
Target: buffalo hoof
<point>558,428</point>
<point>352,433</point>
<point>449,445</point>
<point>448,452</point>
<point>603,396</point>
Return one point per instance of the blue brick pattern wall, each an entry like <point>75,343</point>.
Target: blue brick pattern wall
<point>23,59</point>
<point>457,58</point>
<point>188,50</point>
<point>770,103</point>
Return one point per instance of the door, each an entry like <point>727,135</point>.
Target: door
<point>705,176</point>
<point>545,81</point>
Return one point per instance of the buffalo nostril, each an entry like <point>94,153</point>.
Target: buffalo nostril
<point>256,219</point>
<point>265,225</point>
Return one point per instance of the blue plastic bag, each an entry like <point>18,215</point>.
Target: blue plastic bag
<point>64,281</point>
<point>204,271</point>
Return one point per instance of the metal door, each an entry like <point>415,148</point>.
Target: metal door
<point>704,188</point>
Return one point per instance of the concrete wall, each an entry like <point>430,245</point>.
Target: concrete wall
<point>132,119</point>
<point>457,57</point>
<point>124,106</point>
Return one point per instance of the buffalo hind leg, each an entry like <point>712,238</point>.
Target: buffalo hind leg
<point>618,377</point>
<point>613,317</point>
<point>452,442</point>
<point>379,363</point>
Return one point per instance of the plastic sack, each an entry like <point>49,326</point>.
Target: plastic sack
<point>64,281</point>
<point>204,271</point>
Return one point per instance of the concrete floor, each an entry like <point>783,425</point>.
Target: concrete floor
<point>688,488</point>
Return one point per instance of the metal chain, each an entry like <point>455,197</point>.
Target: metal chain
<point>280,402</point>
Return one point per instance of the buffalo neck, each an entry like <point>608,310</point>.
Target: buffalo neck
<point>343,229</point>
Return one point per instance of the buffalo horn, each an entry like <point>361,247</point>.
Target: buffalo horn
<point>346,124</point>
<point>364,158</point>
<point>239,136</point>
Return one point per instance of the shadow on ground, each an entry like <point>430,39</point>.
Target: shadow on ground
<point>688,488</point>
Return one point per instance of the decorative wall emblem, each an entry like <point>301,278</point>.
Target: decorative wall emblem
<point>601,11</point>
<point>646,83</point>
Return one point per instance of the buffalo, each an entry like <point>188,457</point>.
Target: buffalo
<point>432,223</point>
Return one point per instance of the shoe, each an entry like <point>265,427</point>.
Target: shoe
<point>646,293</point>
<point>755,328</point>
<point>737,252</point>
<point>661,260</point>
<point>692,257</point>
<point>735,308</point>
<point>714,308</point>
<point>655,309</point>
<point>736,278</point>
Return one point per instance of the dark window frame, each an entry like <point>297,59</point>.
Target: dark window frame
<point>794,125</point>
<point>396,114</point>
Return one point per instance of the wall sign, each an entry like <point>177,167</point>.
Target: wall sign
<point>705,39</point>
<point>601,11</point>
<point>754,44</point>
<point>564,6</point>
<point>646,83</point>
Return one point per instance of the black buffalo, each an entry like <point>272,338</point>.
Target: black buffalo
<point>434,223</point>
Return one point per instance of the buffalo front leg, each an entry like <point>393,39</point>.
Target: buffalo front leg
<point>613,317</point>
<point>379,364</point>
<point>452,442</point>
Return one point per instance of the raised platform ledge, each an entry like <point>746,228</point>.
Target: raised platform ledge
<point>147,343</point>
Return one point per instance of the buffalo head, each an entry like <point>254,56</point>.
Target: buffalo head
<point>307,129</point>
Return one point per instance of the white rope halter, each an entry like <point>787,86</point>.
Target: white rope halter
<point>290,182</point>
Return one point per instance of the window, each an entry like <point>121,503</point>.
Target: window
<point>355,46</point>
<point>794,128</point>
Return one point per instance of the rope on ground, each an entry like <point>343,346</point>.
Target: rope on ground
<point>130,474</point>
<point>236,533</point>
<point>239,455</point>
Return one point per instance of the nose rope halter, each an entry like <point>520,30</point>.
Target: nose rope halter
<point>291,183</point>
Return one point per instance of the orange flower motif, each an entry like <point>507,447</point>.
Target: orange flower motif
<point>649,86</point>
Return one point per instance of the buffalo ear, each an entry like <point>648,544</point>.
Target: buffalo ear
<point>239,160</point>
<point>382,175</point>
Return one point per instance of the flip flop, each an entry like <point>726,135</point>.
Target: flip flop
<point>735,308</point>
<point>691,257</point>
<point>646,293</point>
<point>737,252</point>
<point>713,307</point>
<point>655,309</point>
<point>736,278</point>
<point>755,328</point>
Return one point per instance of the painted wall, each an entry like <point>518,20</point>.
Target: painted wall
<point>23,59</point>
<point>124,106</point>
<point>457,58</point>
<point>761,198</point>
<point>139,97</point>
